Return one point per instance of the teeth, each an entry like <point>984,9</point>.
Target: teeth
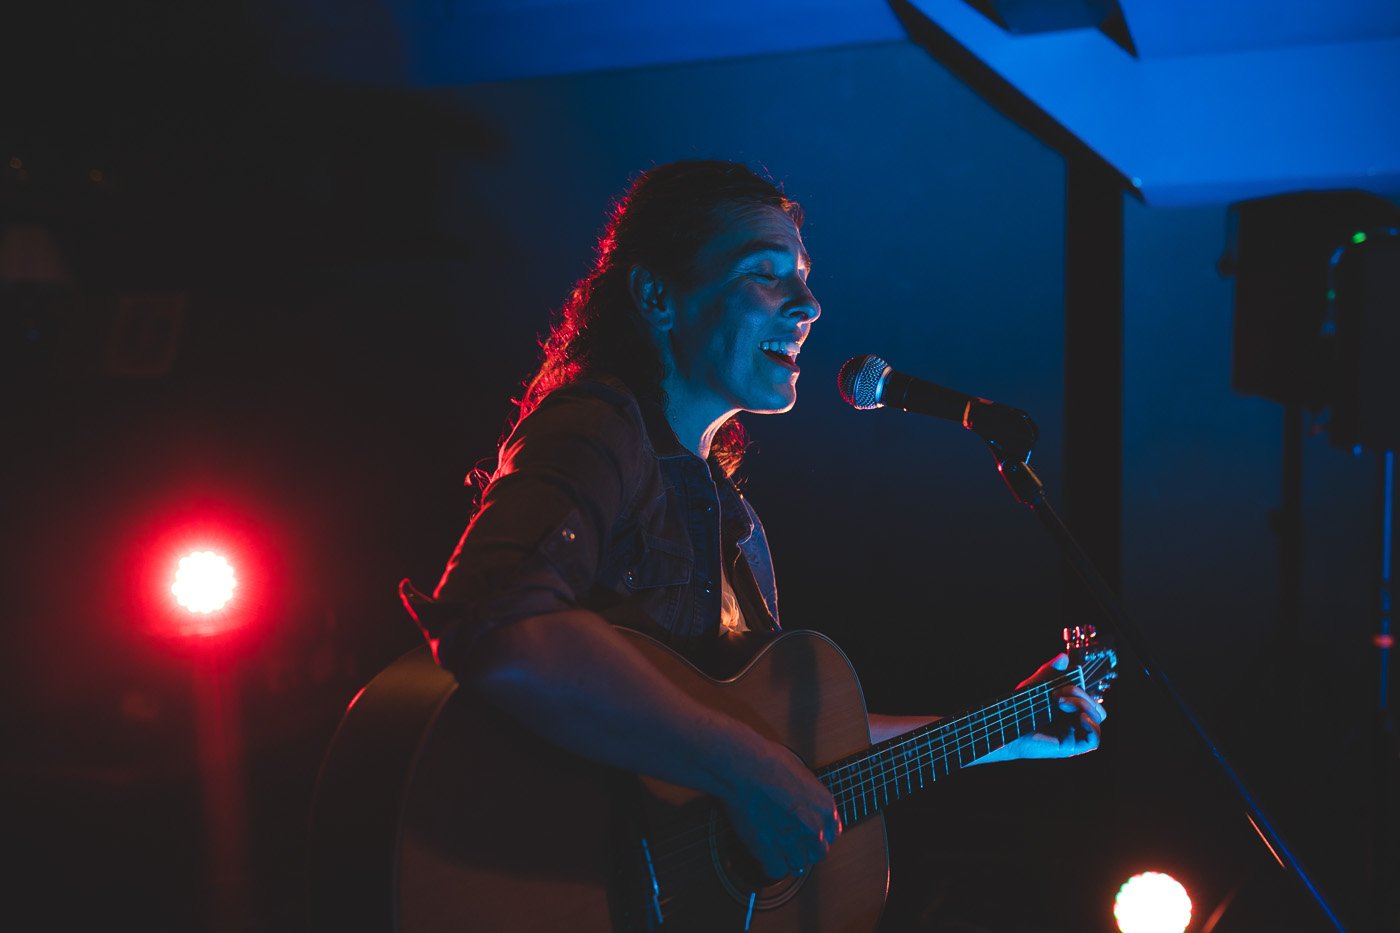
<point>788,348</point>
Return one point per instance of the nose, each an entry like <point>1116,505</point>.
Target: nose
<point>804,304</point>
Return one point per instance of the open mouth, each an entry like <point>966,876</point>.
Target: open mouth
<point>781,352</point>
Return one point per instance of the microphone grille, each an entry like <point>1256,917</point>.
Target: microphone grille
<point>859,381</point>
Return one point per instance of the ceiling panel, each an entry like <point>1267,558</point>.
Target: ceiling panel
<point>434,43</point>
<point>1254,119</point>
<point>1222,101</point>
<point>1194,27</point>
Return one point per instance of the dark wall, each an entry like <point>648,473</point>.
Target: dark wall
<point>366,275</point>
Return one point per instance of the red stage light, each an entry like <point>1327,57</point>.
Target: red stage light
<point>204,582</point>
<point>1152,902</point>
<point>204,585</point>
<point>202,571</point>
<point>258,541</point>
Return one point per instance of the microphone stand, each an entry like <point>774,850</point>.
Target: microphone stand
<point>1385,749</point>
<point>1028,490</point>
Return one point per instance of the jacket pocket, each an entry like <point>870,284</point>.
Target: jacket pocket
<point>657,583</point>
<point>662,563</point>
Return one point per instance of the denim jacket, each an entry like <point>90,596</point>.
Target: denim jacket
<point>595,504</point>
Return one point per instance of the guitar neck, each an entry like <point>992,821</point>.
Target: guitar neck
<point>867,782</point>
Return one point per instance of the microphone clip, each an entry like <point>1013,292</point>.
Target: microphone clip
<point>1019,477</point>
<point>1009,432</point>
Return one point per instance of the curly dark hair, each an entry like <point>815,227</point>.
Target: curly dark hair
<point>668,213</point>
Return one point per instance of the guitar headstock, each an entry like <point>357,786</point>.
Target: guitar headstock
<point>1092,654</point>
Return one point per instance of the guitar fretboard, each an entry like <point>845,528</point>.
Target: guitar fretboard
<point>866,783</point>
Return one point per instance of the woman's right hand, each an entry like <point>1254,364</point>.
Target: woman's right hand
<point>785,817</point>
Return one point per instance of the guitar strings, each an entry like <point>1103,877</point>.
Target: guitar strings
<point>677,853</point>
<point>877,769</point>
<point>933,744</point>
<point>925,749</point>
<point>923,742</point>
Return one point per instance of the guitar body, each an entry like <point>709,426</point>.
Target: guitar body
<point>436,812</point>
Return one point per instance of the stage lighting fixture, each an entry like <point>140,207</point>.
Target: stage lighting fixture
<point>204,582</point>
<point>1152,902</point>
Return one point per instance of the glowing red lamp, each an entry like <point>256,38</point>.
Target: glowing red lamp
<point>204,584</point>
<point>1152,902</point>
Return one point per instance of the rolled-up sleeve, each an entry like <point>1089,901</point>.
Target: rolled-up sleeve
<point>534,546</point>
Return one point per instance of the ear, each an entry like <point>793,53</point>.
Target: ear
<point>651,298</point>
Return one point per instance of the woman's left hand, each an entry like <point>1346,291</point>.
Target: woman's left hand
<point>1080,719</point>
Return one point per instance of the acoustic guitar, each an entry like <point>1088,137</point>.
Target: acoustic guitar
<point>435,812</point>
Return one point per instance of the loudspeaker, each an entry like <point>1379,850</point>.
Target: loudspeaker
<point>1365,321</point>
<point>1279,250</point>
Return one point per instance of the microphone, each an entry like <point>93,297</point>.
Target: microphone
<point>869,382</point>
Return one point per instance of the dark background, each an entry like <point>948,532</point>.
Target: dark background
<point>364,272</point>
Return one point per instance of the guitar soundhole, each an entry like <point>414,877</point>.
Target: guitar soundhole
<point>740,875</point>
